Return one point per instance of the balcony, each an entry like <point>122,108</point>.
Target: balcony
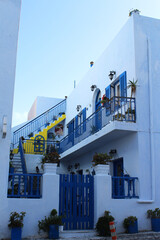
<point>124,187</point>
<point>118,110</point>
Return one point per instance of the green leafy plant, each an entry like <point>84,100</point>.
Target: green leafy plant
<point>30,135</point>
<point>129,221</point>
<point>52,157</point>
<point>102,225</point>
<point>153,213</point>
<point>93,129</point>
<point>101,158</point>
<point>133,86</point>
<point>16,219</point>
<point>51,220</point>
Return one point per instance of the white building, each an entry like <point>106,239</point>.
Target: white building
<point>126,127</point>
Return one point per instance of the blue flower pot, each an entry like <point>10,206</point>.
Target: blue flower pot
<point>133,228</point>
<point>53,232</point>
<point>155,222</point>
<point>16,233</point>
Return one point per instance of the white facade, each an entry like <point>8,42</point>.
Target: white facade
<point>134,51</point>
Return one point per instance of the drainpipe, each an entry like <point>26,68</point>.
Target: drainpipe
<point>152,161</point>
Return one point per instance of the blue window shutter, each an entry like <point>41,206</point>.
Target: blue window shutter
<point>76,126</point>
<point>123,84</point>
<point>108,95</point>
<point>84,119</point>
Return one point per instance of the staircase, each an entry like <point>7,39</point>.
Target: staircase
<point>36,125</point>
<point>17,164</point>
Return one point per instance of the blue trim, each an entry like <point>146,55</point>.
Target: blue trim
<point>84,119</point>
<point>123,84</point>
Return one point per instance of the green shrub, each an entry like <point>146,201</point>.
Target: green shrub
<point>51,220</point>
<point>102,226</point>
<point>16,219</point>
<point>153,213</point>
<point>129,221</point>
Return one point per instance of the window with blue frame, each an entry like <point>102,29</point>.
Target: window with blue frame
<point>117,93</point>
<point>80,123</point>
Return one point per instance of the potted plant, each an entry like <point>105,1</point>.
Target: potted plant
<point>102,226</point>
<point>155,219</point>
<point>51,224</point>
<point>16,224</point>
<point>130,224</point>
<point>101,163</point>
<point>101,158</point>
<point>50,161</point>
<point>104,100</point>
<point>30,135</point>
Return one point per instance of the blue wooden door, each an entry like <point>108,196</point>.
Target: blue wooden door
<point>98,112</point>
<point>118,184</point>
<point>77,201</point>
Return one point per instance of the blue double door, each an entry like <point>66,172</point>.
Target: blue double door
<point>76,202</point>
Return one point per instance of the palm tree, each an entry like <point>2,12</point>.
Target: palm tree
<point>132,85</point>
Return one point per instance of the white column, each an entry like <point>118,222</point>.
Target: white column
<point>102,194</point>
<point>50,187</point>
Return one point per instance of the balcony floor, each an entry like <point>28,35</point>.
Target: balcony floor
<point>112,131</point>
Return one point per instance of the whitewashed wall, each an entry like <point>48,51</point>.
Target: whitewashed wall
<point>42,104</point>
<point>9,26</point>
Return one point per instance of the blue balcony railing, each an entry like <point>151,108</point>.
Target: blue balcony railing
<point>124,187</point>
<point>24,185</point>
<point>39,122</point>
<point>118,108</point>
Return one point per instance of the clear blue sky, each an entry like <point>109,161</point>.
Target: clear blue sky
<point>58,39</point>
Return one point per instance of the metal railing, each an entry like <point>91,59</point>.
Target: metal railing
<point>118,108</point>
<point>42,120</point>
<point>21,150</point>
<point>124,187</point>
<point>39,146</point>
<point>24,185</point>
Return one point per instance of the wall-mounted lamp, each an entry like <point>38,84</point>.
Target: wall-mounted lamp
<point>112,152</point>
<point>77,165</point>
<point>4,127</point>
<point>91,64</point>
<point>78,107</point>
<point>93,87</point>
<point>111,74</point>
<point>69,168</point>
<point>11,155</point>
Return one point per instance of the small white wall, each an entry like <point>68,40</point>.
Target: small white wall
<point>42,104</point>
<point>9,26</point>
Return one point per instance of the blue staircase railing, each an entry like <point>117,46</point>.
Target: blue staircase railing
<point>24,185</point>
<point>124,187</point>
<point>24,169</point>
<point>117,109</point>
<point>37,123</point>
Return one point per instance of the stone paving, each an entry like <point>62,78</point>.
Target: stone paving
<point>92,236</point>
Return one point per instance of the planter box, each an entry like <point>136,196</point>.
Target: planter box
<point>133,228</point>
<point>53,232</point>
<point>50,168</point>
<point>16,233</point>
<point>155,222</point>
<point>102,169</point>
